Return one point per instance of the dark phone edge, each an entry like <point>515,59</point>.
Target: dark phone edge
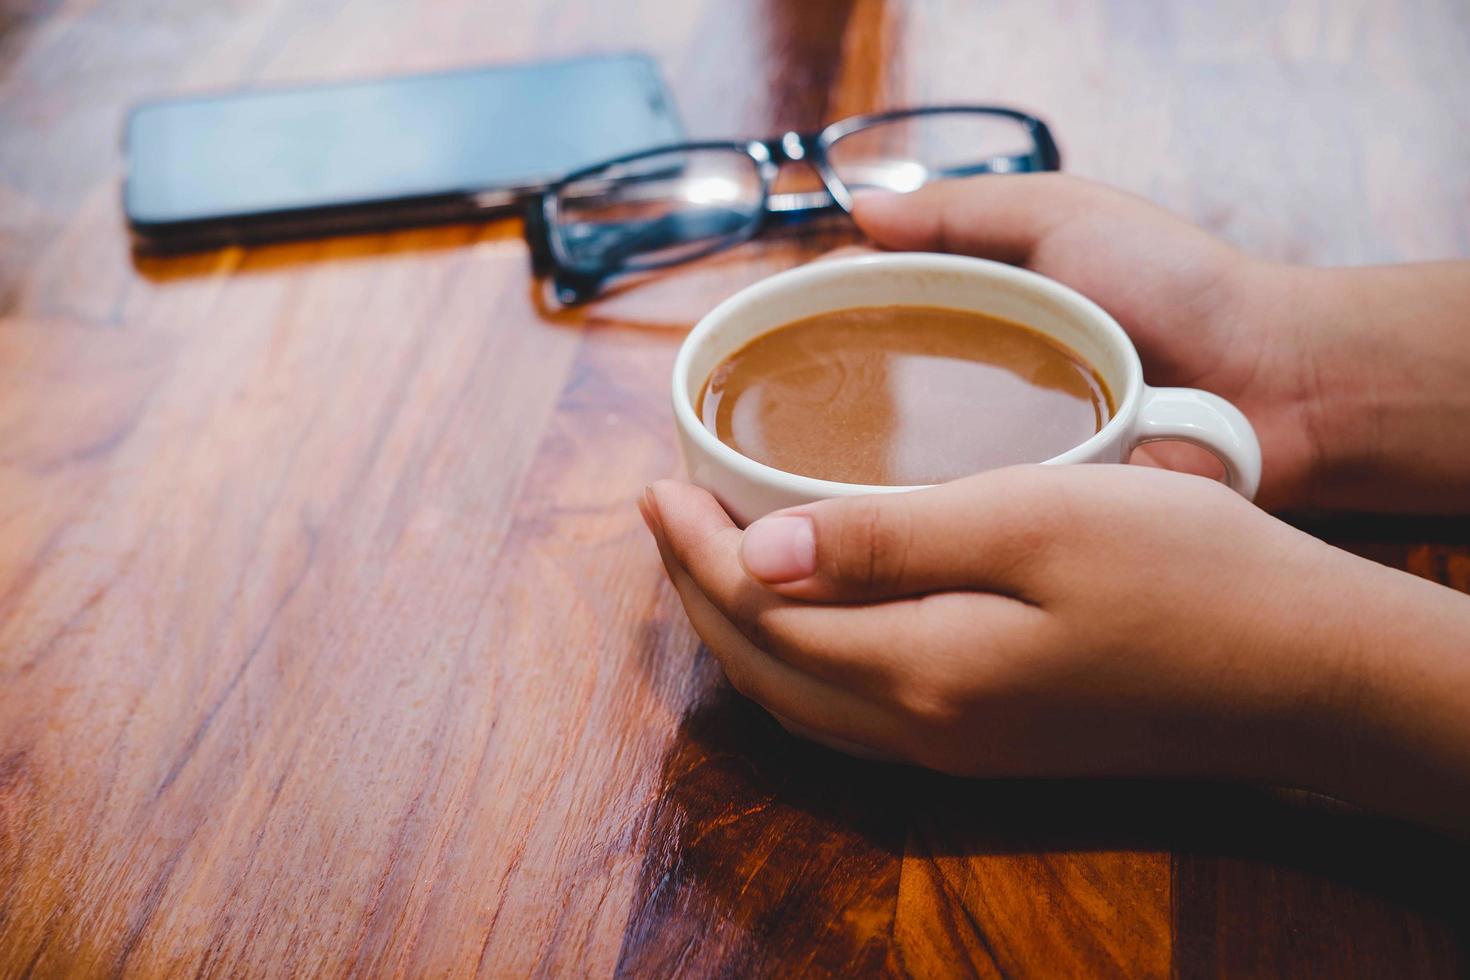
<point>202,234</point>
<point>176,237</point>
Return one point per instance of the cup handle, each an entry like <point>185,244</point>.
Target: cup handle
<point>1204,420</point>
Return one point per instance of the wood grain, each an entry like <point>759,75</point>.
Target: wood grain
<point>330,642</point>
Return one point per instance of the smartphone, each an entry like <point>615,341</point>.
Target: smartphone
<point>292,162</point>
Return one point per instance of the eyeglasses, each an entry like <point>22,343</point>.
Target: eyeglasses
<point>672,204</point>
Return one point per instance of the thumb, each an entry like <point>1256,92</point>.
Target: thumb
<point>970,534</point>
<point>993,216</point>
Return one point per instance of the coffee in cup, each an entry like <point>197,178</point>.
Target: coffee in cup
<point>902,396</point>
<point>983,292</point>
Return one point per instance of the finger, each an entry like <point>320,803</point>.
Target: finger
<point>988,532</point>
<point>996,216</point>
<point>836,644</point>
<point>778,687</point>
<point>881,651</point>
<point>692,524</point>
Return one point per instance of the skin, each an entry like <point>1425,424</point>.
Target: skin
<point>1127,620</point>
<point>1353,378</point>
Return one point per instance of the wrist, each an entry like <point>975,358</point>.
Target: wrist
<point>1317,406</point>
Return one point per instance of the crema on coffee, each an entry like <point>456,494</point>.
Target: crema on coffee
<point>902,395</point>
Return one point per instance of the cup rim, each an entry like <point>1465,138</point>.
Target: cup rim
<point>1065,296</point>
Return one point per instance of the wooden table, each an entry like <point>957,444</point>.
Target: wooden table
<point>331,642</point>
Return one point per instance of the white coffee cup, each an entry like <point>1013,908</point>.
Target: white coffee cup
<point>749,490</point>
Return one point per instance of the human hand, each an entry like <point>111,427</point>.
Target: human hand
<point>1354,379</point>
<point>1068,621</point>
<point>1200,312</point>
<point>1027,621</point>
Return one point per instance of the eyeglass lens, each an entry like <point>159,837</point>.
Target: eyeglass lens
<point>659,209</point>
<point>904,153</point>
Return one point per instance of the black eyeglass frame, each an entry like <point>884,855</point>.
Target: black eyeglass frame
<point>577,282</point>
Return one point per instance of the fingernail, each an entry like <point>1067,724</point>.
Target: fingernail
<point>780,549</point>
<point>648,507</point>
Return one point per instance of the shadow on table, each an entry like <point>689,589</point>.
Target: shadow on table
<point>764,850</point>
<point>1386,530</point>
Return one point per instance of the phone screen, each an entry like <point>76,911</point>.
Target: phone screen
<point>464,132</point>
